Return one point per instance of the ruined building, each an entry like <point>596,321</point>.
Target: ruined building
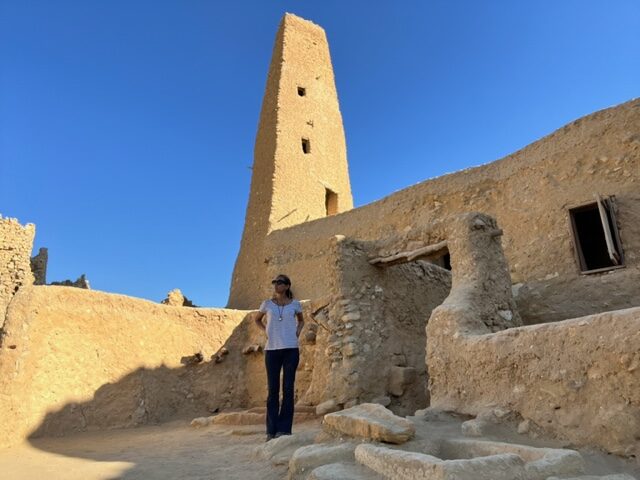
<point>514,285</point>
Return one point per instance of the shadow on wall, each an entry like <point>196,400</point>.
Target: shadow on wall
<point>154,395</point>
<point>144,396</point>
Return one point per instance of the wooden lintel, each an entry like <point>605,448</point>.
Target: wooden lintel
<point>409,256</point>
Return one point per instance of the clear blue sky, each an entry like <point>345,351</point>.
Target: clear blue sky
<point>127,127</point>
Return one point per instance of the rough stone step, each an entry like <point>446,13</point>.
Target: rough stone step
<point>309,457</point>
<point>246,417</point>
<point>280,450</point>
<point>370,421</point>
<point>343,471</point>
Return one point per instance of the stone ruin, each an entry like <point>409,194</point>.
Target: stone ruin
<point>175,298</point>
<point>502,296</point>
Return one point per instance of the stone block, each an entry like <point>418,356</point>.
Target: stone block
<point>384,400</point>
<point>399,378</point>
<point>343,471</point>
<point>279,450</point>
<point>540,463</point>
<point>239,418</point>
<point>201,422</point>
<point>370,421</point>
<point>327,407</point>
<point>474,428</point>
<point>351,317</point>
<point>403,465</point>
<point>309,457</point>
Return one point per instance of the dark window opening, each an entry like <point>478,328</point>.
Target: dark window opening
<point>443,261</point>
<point>446,261</point>
<point>306,145</point>
<point>302,91</point>
<point>330,202</point>
<point>595,236</point>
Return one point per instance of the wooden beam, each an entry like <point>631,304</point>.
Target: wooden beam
<point>613,254</point>
<point>409,256</point>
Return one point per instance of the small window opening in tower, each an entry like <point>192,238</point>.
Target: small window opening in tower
<point>595,236</point>
<point>306,145</point>
<point>302,91</point>
<point>330,202</point>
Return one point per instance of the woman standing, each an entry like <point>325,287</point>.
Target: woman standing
<point>284,324</point>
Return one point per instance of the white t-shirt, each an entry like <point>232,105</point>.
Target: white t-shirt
<point>281,324</point>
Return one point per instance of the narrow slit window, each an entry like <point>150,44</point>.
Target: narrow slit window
<point>330,202</point>
<point>302,91</point>
<point>306,145</point>
<point>446,261</point>
<point>595,236</point>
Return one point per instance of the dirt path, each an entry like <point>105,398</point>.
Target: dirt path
<point>177,451</point>
<point>169,451</point>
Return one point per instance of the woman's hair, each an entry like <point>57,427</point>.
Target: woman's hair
<point>289,292</point>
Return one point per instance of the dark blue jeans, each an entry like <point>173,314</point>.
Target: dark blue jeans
<point>280,418</point>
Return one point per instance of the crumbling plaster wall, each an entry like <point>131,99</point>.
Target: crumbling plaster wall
<point>39,266</point>
<point>74,359</point>
<point>363,340</point>
<point>16,243</point>
<point>368,345</point>
<point>578,379</point>
<point>529,193</point>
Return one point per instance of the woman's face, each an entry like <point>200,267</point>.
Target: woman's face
<point>280,285</point>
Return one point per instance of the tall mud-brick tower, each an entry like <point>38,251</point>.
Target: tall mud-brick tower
<point>300,168</point>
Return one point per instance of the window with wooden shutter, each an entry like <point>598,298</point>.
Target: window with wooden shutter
<point>595,236</point>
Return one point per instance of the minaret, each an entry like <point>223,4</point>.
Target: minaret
<point>300,168</point>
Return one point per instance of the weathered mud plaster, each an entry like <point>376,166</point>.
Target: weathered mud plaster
<point>528,192</point>
<point>75,359</point>
<point>577,379</point>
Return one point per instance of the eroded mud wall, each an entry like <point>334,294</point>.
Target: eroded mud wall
<point>529,193</point>
<point>578,379</point>
<point>74,359</point>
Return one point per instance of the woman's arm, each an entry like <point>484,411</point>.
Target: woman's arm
<point>300,319</point>
<point>258,319</point>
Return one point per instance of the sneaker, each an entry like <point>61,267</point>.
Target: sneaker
<point>270,437</point>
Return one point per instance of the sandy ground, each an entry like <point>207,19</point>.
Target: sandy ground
<point>169,451</point>
<point>175,450</point>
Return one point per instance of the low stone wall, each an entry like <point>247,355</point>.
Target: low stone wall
<point>374,330</point>
<point>75,359</point>
<point>578,379</point>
